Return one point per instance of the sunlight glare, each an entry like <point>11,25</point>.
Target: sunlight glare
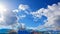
<point>2,11</point>
<point>2,8</point>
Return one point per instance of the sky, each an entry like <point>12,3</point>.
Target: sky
<point>28,12</point>
<point>11,4</point>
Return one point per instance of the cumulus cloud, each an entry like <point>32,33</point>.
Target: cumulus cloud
<point>23,7</point>
<point>10,21</point>
<point>53,17</point>
<point>10,17</point>
<point>18,26</point>
<point>7,18</point>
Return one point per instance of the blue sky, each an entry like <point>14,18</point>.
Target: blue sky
<point>37,4</point>
<point>34,5</point>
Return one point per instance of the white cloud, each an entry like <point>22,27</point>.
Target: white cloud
<point>22,16</point>
<point>7,19</point>
<point>37,13</point>
<point>10,21</point>
<point>53,16</point>
<point>23,7</point>
<point>23,25</point>
<point>16,10</point>
<point>18,26</point>
<point>10,17</point>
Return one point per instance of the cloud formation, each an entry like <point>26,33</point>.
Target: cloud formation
<point>7,18</point>
<point>52,13</point>
<point>10,19</point>
<point>23,7</point>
